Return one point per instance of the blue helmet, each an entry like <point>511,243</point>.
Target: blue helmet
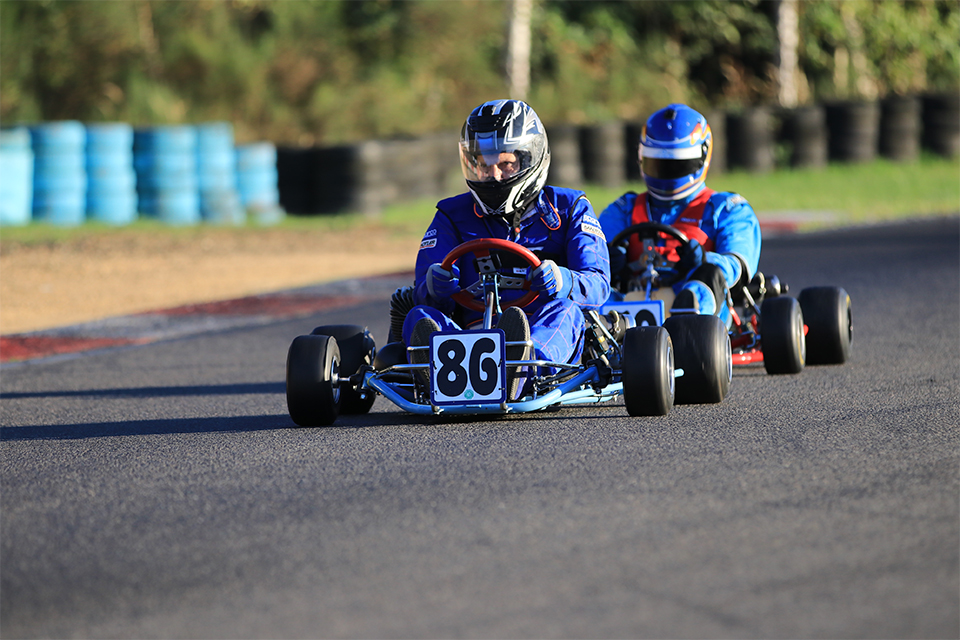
<point>675,149</point>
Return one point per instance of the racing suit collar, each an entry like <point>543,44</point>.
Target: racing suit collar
<point>667,211</point>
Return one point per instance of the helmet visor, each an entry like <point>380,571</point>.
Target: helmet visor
<point>483,160</point>
<point>669,169</point>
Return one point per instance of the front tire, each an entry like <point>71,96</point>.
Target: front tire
<point>357,348</point>
<point>781,335</point>
<point>827,313</point>
<point>313,380</point>
<point>648,373</point>
<point>702,350</point>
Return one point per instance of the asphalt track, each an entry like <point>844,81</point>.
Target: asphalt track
<point>161,490</point>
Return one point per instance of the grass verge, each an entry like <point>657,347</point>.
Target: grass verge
<point>844,193</point>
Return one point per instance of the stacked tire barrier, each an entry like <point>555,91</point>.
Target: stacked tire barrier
<point>565,165</point>
<point>603,154</point>
<point>59,172</point>
<point>111,179</point>
<point>803,136</point>
<point>941,124</point>
<point>853,129</point>
<point>256,173</point>
<point>16,184</point>
<point>899,135</point>
<point>750,140</point>
<point>166,163</point>
<point>217,175</point>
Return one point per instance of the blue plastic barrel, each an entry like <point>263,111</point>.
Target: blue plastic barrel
<point>165,161</point>
<point>217,176</point>
<point>59,173</point>
<point>111,179</point>
<point>257,181</point>
<point>16,183</point>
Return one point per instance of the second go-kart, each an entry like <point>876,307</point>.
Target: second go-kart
<point>768,326</point>
<point>337,369</point>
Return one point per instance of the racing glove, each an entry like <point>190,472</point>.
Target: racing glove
<point>691,256</point>
<point>442,284</point>
<point>618,259</point>
<point>551,279</point>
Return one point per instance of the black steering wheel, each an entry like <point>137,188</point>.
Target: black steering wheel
<point>666,271</point>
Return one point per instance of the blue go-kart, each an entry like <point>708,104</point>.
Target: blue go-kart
<point>337,369</point>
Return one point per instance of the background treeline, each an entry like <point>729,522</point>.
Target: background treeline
<point>318,73</point>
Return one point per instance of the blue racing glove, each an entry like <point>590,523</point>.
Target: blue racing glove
<point>550,278</point>
<point>442,284</point>
<point>691,256</point>
<point>618,259</point>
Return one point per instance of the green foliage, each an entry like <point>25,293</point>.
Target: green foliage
<point>906,46</point>
<point>329,71</point>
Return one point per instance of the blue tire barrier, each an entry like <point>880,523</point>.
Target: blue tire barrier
<point>257,181</point>
<point>16,186</point>
<point>173,207</point>
<point>165,160</point>
<point>111,178</point>
<point>217,175</point>
<point>59,175</point>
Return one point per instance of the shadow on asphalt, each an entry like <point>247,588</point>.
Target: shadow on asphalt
<point>156,392</point>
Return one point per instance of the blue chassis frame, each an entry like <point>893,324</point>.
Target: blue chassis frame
<point>577,390</point>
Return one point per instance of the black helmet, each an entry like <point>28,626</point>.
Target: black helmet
<point>504,156</point>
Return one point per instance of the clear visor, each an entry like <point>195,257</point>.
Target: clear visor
<point>482,160</point>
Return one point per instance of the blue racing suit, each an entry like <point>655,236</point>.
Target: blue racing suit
<point>729,224</point>
<point>559,226</point>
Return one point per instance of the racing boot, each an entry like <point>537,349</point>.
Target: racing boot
<point>516,328</point>
<point>685,302</point>
<point>422,331</point>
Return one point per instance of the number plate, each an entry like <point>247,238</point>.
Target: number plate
<point>646,313</point>
<point>467,367</point>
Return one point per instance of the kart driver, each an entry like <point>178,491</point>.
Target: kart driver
<point>505,157</point>
<point>676,145</point>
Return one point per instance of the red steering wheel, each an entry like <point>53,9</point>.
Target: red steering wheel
<point>481,248</point>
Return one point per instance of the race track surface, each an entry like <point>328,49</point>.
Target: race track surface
<point>161,490</point>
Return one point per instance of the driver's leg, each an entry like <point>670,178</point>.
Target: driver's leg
<point>557,330</point>
<point>705,292</point>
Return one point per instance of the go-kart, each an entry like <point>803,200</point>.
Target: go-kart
<point>768,326</point>
<point>337,369</point>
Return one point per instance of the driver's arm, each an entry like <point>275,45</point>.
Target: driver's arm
<point>737,241</point>
<point>587,257</point>
<point>438,240</point>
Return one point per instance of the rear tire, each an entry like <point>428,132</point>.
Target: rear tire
<point>648,379</point>
<point>781,335</point>
<point>702,350</point>
<point>827,314</point>
<point>313,380</point>
<point>357,348</point>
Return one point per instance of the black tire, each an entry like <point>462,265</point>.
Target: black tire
<point>827,314</point>
<point>313,377</point>
<point>701,348</point>
<point>781,335</point>
<point>648,380</point>
<point>357,348</point>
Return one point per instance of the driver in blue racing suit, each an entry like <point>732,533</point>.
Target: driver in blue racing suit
<point>505,157</point>
<point>724,234</point>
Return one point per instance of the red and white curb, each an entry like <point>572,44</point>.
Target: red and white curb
<point>164,324</point>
